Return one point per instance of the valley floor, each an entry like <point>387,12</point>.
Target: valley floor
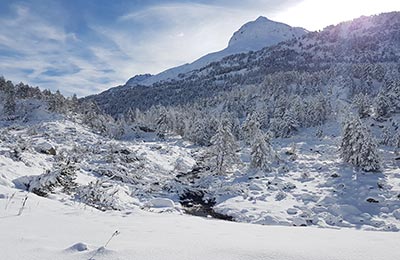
<point>48,229</point>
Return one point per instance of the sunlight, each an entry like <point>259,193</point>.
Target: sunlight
<point>317,14</point>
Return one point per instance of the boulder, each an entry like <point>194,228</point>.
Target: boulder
<point>45,148</point>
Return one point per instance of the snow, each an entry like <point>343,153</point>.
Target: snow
<point>161,203</point>
<point>314,188</point>
<point>263,32</point>
<point>50,229</point>
<point>317,188</point>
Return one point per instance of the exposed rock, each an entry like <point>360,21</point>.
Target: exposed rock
<point>45,148</point>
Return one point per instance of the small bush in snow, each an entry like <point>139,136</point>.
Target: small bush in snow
<point>62,176</point>
<point>99,194</point>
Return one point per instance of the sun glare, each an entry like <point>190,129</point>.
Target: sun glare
<point>317,14</point>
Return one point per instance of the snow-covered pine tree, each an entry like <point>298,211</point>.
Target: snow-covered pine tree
<point>92,117</point>
<point>319,109</point>
<point>117,129</point>
<point>284,127</point>
<point>99,194</point>
<point>262,154</point>
<point>391,134</point>
<point>382,106</point>
<point>162,123</point>
<point>56,102</point>
<point>178,122</point>
<point>250,127</point>
<point>362,103</point>
<point>62,176</point>
<point>2,83</point>
<point>200,128</point>
<point>392,91</point>
<point>9,103</point>
<point>358,147</point>
<point>223,148</point>
<point>74,104</point>
<point>22,91</point>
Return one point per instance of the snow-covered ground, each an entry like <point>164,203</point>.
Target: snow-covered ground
<point>311,187</point>
<point>49,229</point>
<point>315,187</point>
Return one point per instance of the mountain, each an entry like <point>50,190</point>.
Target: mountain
<point>252,36</point>
<point>362,41</point>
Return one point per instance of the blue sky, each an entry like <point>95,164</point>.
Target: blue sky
<point>87,46</point>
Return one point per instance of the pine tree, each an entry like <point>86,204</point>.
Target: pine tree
<point>357,146</point>
<point>392,91</point>
<point>262,154</point>
<point>382,106</point>
<point>162,123</point>
<point>9,104</point>
<point>22,90</point>
<point>223,148</point>
<point>56,102</point>
<point>250,126</point>
<point>92,116</point>
<point>74,104</point>
<point>63,175</point>
<point>362,103</point>
<point>200,128</point>
<point>284,127</point>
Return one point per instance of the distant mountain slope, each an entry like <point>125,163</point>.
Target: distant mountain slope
<point>252,36</point>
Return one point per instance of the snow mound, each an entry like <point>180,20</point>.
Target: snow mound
<point>161,203</point>
<point>78,247</point>
<point>396,214</point>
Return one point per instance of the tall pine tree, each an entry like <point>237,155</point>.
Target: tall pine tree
<point>223,148</point>
<point>358,147</point>
<point>9,103</point>
<point>262,154</point>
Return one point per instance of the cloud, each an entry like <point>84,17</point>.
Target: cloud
<point>40,52</point>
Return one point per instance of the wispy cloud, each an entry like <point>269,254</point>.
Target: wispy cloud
<point>40,52</point>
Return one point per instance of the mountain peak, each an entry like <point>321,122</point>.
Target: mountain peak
<point>262,32</point>
<point>262,19</point>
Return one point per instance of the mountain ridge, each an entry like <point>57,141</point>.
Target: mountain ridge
<point>251,36</point>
